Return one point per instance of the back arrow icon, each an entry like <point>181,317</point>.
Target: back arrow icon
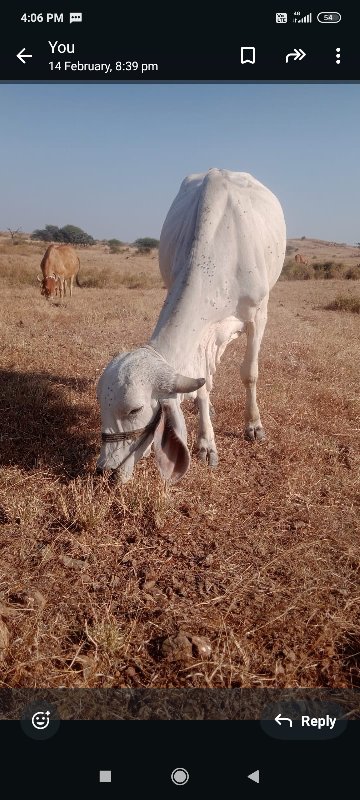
<point>279,719</point>
<point>297,55</point>
<point>23,55</point>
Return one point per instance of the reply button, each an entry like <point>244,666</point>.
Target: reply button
<point>288,721</point>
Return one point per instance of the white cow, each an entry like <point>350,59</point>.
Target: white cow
<point>221,250</point>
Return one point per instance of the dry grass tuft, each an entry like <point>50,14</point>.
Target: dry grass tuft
<point>343,302</point>
<point>82,505</point>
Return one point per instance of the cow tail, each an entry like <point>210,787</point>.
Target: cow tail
<point>77,276</point>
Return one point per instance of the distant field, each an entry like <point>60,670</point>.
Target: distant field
<point>20,264</point>
<point>245,576</point>
<point>322,250</point>
<point>323,260</point>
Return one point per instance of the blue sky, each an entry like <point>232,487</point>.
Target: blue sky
<point>110,157</point>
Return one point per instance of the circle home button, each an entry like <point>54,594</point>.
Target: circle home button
<point>180,776</point>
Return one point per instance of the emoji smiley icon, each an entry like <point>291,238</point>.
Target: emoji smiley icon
<point>40,720</point>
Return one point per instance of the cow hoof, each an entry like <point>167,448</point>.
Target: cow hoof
<point>213,459</point>
<point>203,454</point>
<point>208,456</point>
<point>253,432</point>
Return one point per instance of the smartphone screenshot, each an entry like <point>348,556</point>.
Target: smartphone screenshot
<point>179,401</point>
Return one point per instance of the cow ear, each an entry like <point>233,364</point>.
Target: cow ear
<point>171,452</point>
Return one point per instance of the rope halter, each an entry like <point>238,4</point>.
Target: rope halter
<point>140,434</point>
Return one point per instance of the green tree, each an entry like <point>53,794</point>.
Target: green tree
<point>115,243</point>
<point>71,234</point>
<point>51,233</point>
<point>146,242</point>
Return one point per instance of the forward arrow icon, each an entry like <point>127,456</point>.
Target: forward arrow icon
<point>297,55</point>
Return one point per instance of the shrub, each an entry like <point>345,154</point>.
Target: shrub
<point>115,248</point>
<point>115,245</point>
<point>146,242</point>
<point>328,269</point>
<point>344,303</point>
<point>352,274</point>
<point>296,272</point>
<point>143,251</point>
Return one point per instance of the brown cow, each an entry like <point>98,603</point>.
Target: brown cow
<point>59,264</point>
<point>300,259</point>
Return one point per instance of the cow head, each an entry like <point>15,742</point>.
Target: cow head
<point>49,285</point>
<point>139,401</point>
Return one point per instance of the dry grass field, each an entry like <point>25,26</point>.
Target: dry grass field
<point>320,250</point>
<point>244,576</point>
<point>323,260</point>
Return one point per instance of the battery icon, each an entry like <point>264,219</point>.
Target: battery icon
<point>329,16</point>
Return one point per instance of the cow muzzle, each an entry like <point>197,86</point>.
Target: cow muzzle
<point>121,450</point>
<point>114,476</point>
<point>117,468</point>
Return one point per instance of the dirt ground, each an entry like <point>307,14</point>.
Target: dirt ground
<point>243,576</point>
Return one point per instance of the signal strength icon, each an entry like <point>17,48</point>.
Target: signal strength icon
<point>306,18</point>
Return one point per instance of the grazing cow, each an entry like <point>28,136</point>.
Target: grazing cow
<point>300,259</point>
<point>222,248</point>
<point>59,264</point>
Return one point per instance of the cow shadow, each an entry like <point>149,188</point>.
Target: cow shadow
<point>46,422</point>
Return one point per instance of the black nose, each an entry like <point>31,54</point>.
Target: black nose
<point>113,475</point>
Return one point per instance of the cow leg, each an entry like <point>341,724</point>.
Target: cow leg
<point>64,287</point>
<point>71,285</point>
<point>249,372</point>
<point>60,288</point>
<point>211,407</point>
<point>206,438</point>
